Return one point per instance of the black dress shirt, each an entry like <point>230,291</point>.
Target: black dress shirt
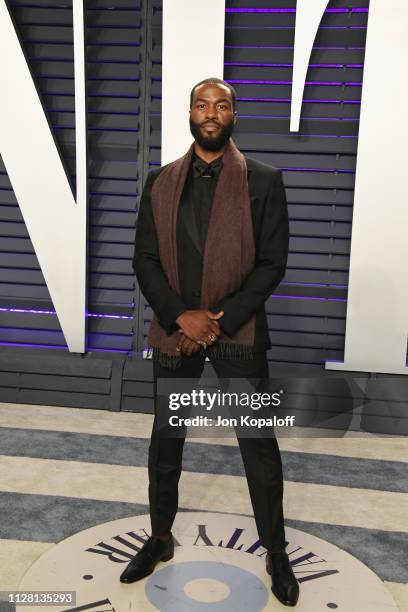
<point>200,188</point>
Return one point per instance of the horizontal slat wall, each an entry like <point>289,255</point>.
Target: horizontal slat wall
<point>114,52</point>
<point>57,378</point>
<point>306,315</point>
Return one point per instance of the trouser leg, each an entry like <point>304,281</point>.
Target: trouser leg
<point>261,458</point>
<point>263,469</point>
<point>166,451</point>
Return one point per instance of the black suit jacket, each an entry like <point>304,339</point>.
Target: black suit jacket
<point>271,237</point>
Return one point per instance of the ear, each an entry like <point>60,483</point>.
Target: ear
<point>235,117</point>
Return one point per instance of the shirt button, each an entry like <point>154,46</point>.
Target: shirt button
<point>197,293</point>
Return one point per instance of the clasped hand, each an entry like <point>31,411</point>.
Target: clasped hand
<point>197,328</point>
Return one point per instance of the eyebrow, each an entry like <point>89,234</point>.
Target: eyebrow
<point>217,100</point>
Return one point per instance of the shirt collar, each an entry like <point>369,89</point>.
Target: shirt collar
<point>202,169</point>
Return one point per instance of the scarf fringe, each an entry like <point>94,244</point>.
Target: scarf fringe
<point>219,350</point>
<point>230,350</point>
<point>165,360</point>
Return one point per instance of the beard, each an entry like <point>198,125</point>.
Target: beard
<point>212,142</point>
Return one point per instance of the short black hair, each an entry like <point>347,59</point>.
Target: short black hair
<point>216,81</point>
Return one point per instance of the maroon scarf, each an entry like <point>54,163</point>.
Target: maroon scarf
<point>229,251</point>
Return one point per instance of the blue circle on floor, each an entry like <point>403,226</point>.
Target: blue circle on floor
<point>165,588</point>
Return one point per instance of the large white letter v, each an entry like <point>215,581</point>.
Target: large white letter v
<point>55,222</point>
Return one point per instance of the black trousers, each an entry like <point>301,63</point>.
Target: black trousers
<point>261,457</point>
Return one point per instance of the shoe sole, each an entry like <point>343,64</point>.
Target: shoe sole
<point>163,559</point>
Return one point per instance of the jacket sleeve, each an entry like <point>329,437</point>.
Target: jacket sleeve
<point>165,301</point>
<point>271,254</point>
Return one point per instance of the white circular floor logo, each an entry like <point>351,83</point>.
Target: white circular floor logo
<point>218,566</point>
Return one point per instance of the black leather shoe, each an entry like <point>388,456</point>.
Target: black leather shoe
<point>144,562</point>
<point>284,584</point>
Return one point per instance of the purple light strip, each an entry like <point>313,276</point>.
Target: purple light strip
<point>302,297</point>
<point>307,101</point>
<point>267,82</point>
<point>105,316</point>
<point>346,28</point>
<point>26,344</point>
<point>355,119</point>
<point>52,312</point>
<point>296,135</point>
<point>257,64</point>
<point>292,10</point>
<point>327,170</point>
<point>287,47</point>
<point>48,312</point>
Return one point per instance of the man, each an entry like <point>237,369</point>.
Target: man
<point>211,245</point>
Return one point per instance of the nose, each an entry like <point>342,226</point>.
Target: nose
<point>210,112</point>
